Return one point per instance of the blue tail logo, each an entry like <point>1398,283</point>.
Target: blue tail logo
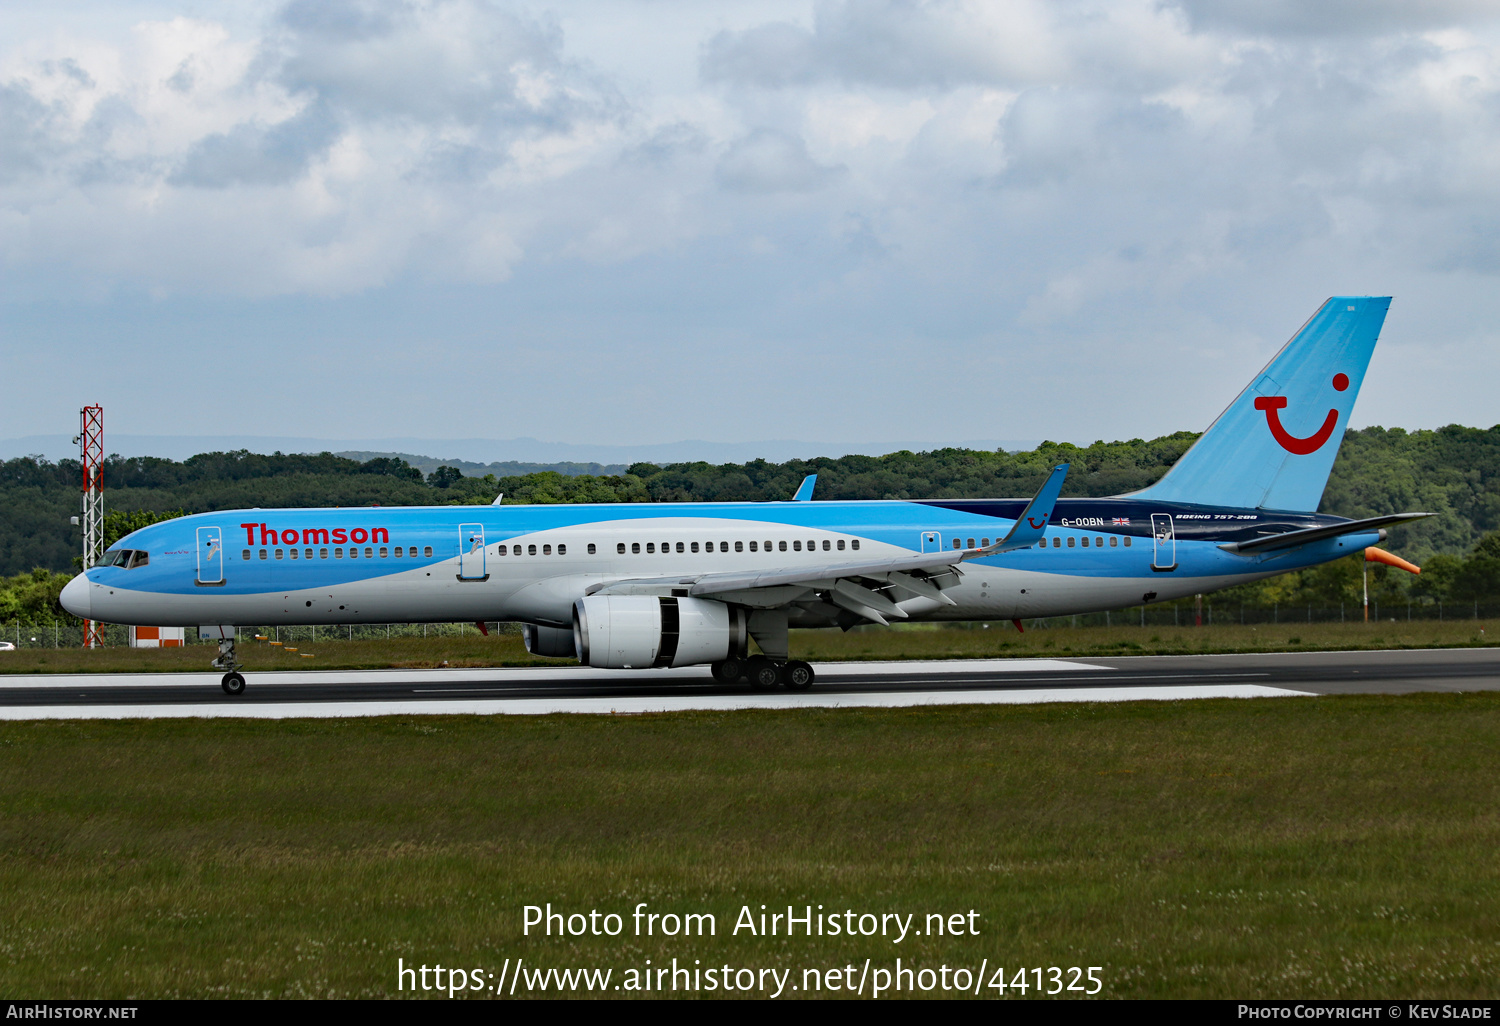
<point>1273,404</point>
<point>1274,446</point>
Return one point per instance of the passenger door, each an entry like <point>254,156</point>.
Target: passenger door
<point>471,552</point>
<point>1164,543</point>
<point>210,556</point>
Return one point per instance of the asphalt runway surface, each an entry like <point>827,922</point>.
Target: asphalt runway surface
<point>581,689</point>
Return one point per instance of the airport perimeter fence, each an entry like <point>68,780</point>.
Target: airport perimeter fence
<point>65,634</point>
<point>69,633</point>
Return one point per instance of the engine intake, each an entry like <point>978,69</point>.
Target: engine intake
<point>633,632</point>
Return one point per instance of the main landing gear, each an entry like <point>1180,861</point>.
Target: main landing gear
<point>764,674</point>
<point>234,681</point>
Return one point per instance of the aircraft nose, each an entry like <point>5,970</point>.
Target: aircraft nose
<point>75,597</point>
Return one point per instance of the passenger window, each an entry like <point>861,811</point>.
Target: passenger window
<point>620,548</point>
<point>382,552</point>
<point>969,542</point>
<point>826,545</point>
<point>426,551</point>
<point>723,546</point>
<point>338,553</point>
<point>841,545</point>
<point>781,546</point>
<point>797,546</point>
<point>1127,541</point>
<point>681,547</point>
<point>651,546</point>
<point>1113,541</point>
<point>984,542</point>
<point>635,547</point>
<point>1056,542</point>
<point>1084,542</point>
<point>353,552</point>
<point>546,550</point>
<point>246,554</point>
<point>531,550</point>
<point>292,553</point>
<point>307,553</point>
<point>503,550</point>
<point>1099,543</point>
<point>262,553</point>
<point>957,544</point>
<point>695,546</point>
<point>1070,541</point>
<point>768,546</point>
<point>854,544</point>
<point>369,553</point>
<point>278,553</point>
<point>592,550</point>
<point>396,552</point>
<point>322,553</point>
<point>739,546</point>
<point>562,550</point>
<point>753,547</point>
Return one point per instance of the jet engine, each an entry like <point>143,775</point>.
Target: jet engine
<point>639,631</point>
<point>549,641</point>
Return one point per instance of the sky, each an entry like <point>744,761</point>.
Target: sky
<point>641,221</point>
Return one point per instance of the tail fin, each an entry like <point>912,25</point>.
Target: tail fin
<point>1275,444</point>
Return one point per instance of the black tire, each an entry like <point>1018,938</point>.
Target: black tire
<point>763,673</point>
<point>728,671</point>
<point>233,684</point>
<point>798,676</point>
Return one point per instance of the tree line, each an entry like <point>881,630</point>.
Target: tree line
<point>1453,471</point>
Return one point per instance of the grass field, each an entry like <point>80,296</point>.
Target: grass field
<point>1321,847</point>
<point>928,642</point>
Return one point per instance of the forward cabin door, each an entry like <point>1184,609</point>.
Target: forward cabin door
<point>210,556</point>
<point>471,552</point>
<point>1164,543</point>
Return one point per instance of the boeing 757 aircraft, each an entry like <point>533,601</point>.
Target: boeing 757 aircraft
<point>675,584</point>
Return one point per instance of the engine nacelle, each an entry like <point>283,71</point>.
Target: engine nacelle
<point>639,631</point>
<point>549,641</point>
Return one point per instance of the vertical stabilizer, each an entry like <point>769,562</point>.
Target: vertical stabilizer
<point>1275,445</point>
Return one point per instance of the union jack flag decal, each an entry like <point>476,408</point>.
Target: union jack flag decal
<point>1125,521</point>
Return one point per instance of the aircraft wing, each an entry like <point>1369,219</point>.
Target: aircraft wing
<point>1291,539</point>
<point>917,574</point>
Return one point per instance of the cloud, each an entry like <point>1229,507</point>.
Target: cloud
<point>767,161</point>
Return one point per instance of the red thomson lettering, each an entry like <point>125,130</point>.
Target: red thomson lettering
<point>264,534</point>
<point>314,536</point>
<point>249,533</point>
<point>380,534</point>
<point>340,536</point>
<point>358,535</point>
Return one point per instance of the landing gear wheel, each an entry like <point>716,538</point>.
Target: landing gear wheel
<point>798,676</point>
<point>728,671</point>
<point>763,673</point>
<point>233,684</point>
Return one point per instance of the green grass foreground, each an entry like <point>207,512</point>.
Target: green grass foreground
<point>926,641</point>
<point>1321,847</point>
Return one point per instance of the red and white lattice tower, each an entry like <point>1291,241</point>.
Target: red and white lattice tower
<point>91,450</point>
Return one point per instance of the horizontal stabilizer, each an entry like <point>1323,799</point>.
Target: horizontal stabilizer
<point>1291,539</point>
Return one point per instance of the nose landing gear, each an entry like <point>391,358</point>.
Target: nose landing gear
<point>233,682</point>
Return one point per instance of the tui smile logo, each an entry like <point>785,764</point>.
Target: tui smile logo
<point>1273,404</point>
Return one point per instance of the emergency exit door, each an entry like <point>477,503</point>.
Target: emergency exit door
<point>210,556</point>
<point>932,541</point>
<point>1164,543</point>
<point>471,552</point>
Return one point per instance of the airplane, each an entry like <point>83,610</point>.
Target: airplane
<point>640,585</point>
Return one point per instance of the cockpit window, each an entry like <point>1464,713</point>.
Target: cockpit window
<point>125,558</point>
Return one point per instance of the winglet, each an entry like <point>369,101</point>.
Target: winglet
<point>1032,523</point>
<point>805,489</point>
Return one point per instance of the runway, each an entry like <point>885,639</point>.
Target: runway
<point>531,691</point>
